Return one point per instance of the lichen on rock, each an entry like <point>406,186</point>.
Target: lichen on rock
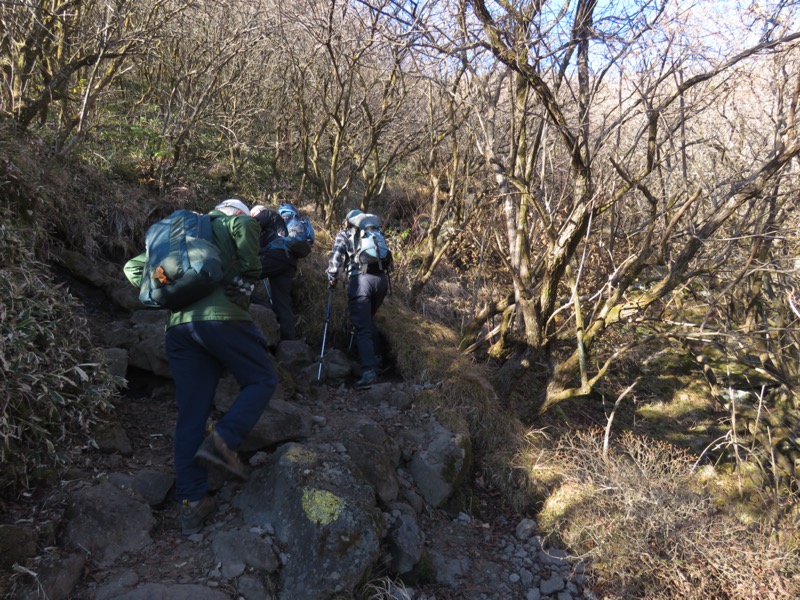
<point>321,506</point>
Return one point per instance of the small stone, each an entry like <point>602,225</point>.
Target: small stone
<point>572,588</point>
<point>533,594</point>
<point>525,529</point>
<point>552,585</point>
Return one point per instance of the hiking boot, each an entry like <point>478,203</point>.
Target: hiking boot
<point>368,379</point>
<point>193,517</point>
<point>214,452</point>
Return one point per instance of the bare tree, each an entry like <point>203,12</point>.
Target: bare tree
<point>561,123</point>
<point>66,54</point>
<point>349,90</point>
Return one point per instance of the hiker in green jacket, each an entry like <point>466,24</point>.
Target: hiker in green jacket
<point>204,339</point>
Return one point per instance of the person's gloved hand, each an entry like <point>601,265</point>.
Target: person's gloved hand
<point>239,290</point>
<point>331,282</point>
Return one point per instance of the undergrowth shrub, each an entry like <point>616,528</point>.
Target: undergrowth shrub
<point>53,386</point>
<point>640,517</point>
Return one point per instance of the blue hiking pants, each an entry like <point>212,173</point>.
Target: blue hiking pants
<point>198,354</point>
<point>365,294</point>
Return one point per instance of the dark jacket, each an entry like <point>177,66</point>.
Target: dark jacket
<point>273,226</point>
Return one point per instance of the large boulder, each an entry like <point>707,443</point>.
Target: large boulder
<point>442,464</point>
<point>323,515</point>
<point>149,352</point>
<point>108,522</point>
<point>281,422</point>
<point>376,455</point>
<point>266,321</point>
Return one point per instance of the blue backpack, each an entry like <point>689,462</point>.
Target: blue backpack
<point>371,250</point>
<point>182,262</point>
<point>300,233</point>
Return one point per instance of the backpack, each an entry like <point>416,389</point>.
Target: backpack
<point>369,244</point>
<point>300,232</point>
<point>182,262</point>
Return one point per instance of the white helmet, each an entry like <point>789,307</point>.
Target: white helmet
<point>232,207</point>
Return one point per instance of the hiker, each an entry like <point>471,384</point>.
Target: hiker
<point>366,289</point>
<point>203,340</point>
<point>278,265</point>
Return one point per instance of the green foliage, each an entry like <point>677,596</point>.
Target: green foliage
<point>53,386</point>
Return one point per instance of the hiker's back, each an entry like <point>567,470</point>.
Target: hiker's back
<point>299,231</point>
<point>371,252</point>
<point>272,227</point>
<point>183,262</point>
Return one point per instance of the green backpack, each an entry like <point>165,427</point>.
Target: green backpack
<point>183,263</point>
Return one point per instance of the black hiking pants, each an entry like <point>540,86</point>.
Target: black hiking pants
<point>365,294</point>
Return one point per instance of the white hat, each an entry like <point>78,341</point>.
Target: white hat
<point>258,208</point>
<point>233,206</point>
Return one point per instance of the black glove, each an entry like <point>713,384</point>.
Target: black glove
<point>331,282</point>
<point>239,290</point>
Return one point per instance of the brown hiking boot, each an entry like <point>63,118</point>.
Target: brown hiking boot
<point>193,517</point>
<point>215,452</point>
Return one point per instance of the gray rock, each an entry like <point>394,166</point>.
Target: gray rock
<point>399,399</point>
<point>117,361</point>
<point>56,577</point>
<point>376,455</point>
<point>107,522</point>
<point>450,571</point>
<point>232,570</point>
<point>17,543</point>
<point>120,337</point>
<point>152,486</point>
<point>150,316</point>
<point>442,465</point>
<point>237,546</point>
<point>337,366</point>
<point>413,499</point>
<point>113,589</point>
<point>149,352</point>
<point>555,557</point>
<point>161,591</point>
<point>267,323</point>
<point>251,588</point>
<point>281,422</point>
<point>405,544</point>
<point>378,393</point>
<point>324,516</point>
<point>294,354</point>
<point>525,529</point>
<point>552,585</point>
<point>111,438</point>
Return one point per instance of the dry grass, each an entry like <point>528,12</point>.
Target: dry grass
<point>650,531</point>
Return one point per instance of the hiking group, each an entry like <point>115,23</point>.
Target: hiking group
<point>207,269</point>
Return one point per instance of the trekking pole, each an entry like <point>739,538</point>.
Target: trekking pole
<point>266,289</point>
<point>325,332</point>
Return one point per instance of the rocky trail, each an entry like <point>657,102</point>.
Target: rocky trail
<point>110,530</point>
